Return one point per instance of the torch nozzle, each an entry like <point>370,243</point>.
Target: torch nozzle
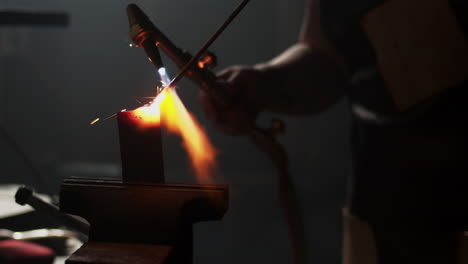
<point>142,32</point>
<point>136,16</point>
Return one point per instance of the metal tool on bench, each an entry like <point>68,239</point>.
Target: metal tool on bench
<point>25,195</point>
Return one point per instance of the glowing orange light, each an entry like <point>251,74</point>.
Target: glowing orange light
<point>176,119</point>
<point>201,64</point>
<point>204,60</point>
<point>94,121</point>
<point>150,114</point>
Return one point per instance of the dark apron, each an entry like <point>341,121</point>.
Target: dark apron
<point>410,166</point>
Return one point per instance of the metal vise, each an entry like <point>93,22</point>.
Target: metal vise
<point>140,219</point>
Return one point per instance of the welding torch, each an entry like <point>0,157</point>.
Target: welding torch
<point>146,35</point>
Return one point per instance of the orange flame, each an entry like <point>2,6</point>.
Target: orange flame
<point>178,120</point>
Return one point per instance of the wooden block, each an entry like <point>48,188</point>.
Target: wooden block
<point>140,149</point>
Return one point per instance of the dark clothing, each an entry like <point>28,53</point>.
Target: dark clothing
<point>415,244</point>
<point>410,167</point>
<point>414,168</point>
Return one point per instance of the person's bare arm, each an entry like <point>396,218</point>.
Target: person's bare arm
<point>307,77</point>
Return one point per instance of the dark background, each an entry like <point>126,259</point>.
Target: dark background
<point>55,81</point>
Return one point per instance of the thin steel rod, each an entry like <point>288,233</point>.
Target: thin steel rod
<point>203,49</point>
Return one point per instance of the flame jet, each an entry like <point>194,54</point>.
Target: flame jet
<point>167,108</point>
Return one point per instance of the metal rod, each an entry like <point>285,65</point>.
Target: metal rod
<point>25,195</point>
<point>195,57</point>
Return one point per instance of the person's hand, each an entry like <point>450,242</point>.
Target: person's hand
<point>242,85</point>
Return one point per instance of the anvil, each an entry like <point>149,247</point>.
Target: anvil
<point>140,219</point>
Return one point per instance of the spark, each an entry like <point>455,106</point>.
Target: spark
<point>94,121</point>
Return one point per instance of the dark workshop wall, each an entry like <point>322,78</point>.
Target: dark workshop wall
<point>55,81</point>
